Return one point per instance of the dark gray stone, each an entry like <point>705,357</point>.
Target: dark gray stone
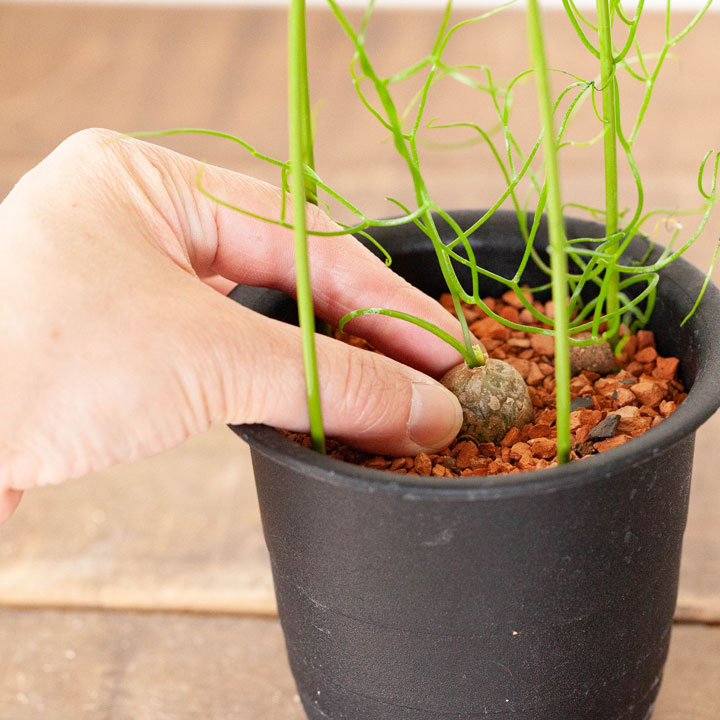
<point>580,402</point>
<point>605,428</point>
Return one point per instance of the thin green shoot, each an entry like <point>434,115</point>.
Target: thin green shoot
<point>472,357</point>
<point>705,284</point>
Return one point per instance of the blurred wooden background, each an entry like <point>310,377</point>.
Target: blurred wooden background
<point>144,592</point>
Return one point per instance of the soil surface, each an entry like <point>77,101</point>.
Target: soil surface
<point>608,410</point>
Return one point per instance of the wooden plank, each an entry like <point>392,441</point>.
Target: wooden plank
<point>182,530</point>
<point>107,666</point>
<point>691,685</point>
<point>699,595</point>
<point>119,666</point>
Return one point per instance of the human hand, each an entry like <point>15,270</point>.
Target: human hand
<point>118,341</point>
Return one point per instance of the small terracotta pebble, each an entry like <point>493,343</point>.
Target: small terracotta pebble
<point>487,449</point>
<point>579,385</point>
<point>634,426</point>
<point>543,447</point>
<point>543,344</point>
<point>490,328</point>
<point>538,430</point>
<point>547,417</point>
<point>648,393</point>
<point>521,365</point>
<point>628,411</point>
<point>665,368</point>
<point>510,314</point>
<point>629,349</point>
<point>513,300</point>
<point>535,375</point>
<point>611,443</point>
<point>519,449</point>
<point>423,464</point>
<point>622,397</point>
<point>645,339</point>
<point>646,355</point>
<point>526,317</point>
<point>513,435</point>
<point>468,450</point>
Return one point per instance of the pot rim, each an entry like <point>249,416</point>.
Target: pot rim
<point>702,401</point>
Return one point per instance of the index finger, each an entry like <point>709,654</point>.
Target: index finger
<point>345,275</point>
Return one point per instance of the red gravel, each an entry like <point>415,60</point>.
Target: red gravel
<point>643,392</point>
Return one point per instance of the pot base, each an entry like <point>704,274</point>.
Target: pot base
<point>313,709</point>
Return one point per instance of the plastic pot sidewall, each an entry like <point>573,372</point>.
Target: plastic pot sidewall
<point>545,595</point>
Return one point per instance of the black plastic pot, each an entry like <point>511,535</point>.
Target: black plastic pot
<point>540,596</point>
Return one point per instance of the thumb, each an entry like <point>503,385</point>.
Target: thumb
<point>368,400</point>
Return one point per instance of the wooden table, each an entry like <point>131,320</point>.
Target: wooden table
<point>144,592</point>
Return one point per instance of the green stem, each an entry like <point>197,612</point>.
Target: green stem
<point>298,123</point>
<point>608,84</point>
<point>556,229</point>
<point>311,184</point>
<point>470,357</point>
<point>473,354</point>
<point>307,125</point>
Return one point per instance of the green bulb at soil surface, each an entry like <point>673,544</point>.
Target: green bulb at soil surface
<point>494,398</point>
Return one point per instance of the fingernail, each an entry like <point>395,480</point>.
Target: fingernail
<point>9,500</point>
<point>435,416</point>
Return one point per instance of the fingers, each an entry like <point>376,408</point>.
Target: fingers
<point>380,405</point>
<point>9,500</point>
<point>345,275</point>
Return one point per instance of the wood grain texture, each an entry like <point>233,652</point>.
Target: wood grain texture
<point>107,666</point>
<point>119,666</point>
<point>699,595</point>
<point>181,530</point>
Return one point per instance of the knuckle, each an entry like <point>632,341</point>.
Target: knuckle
<point>79,160</point>
<point>138,171</point>
<point>88,149</point>
<point>368,394</point>
<point>90,139</point>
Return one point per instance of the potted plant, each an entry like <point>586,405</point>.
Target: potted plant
<point>545,594</point>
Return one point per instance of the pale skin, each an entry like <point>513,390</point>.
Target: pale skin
<point>118,341</point>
